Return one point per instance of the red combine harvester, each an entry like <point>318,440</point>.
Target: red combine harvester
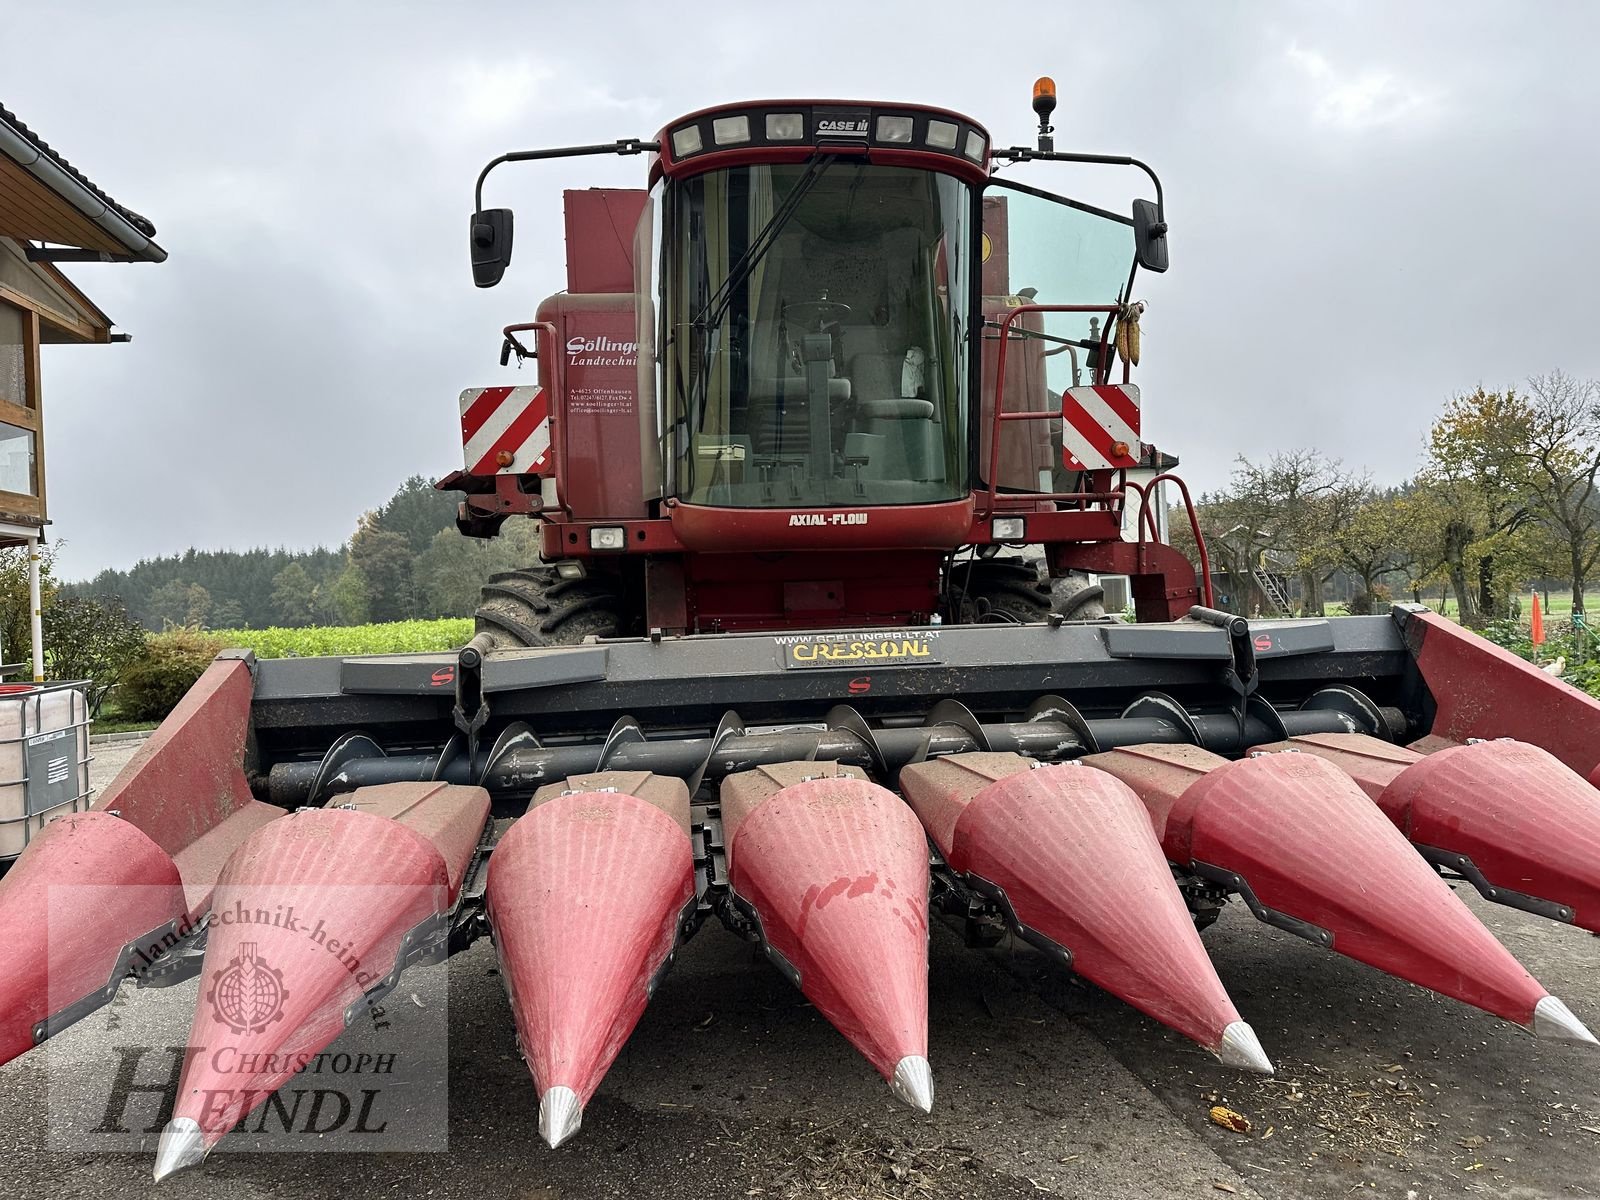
<point>812,407</point>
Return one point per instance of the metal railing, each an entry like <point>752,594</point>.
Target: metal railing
<point>555,397</point>
<point>1111,500</point>
<point>1116,500</point>
<point>1147,516</point>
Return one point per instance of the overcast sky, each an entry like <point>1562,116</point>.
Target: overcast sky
<point>1373,206</point>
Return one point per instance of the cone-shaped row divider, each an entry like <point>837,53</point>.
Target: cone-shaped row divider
<point>310,913</point>
<point>64,933</point>
<point>1074,856</point>
<point>99,894</point>
<point>585,895</point>
<point>1510,816</point>
<point>835,869</point>
<point>1312,853</point>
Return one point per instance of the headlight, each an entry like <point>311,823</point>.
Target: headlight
<point>942,135</point>
<point>895,129</point>
<point>611,537</point>
<point>1008,529</point>
<point>785,127</point>
<point>727,131</point>
<point>686,141</point>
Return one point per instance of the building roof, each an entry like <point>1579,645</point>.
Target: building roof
<point>43,197</point>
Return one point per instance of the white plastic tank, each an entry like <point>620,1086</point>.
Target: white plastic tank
<point>44,759</point>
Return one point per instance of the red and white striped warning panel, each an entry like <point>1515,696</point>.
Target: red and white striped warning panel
<point>506,430</point>
<point>1100,427</point>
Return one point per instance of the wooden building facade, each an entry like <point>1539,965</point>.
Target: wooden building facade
<point>50,213</point>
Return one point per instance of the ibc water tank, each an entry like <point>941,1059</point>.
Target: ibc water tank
<point>44,759</point>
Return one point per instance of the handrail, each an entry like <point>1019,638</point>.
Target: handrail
<point>511,343</point>
<point>1057,497</point>
<point>1000,415</point>
<point>1146,512</point>
<point>554,400</point>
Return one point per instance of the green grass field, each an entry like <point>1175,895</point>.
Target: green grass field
<point>394,637</point>
<point>1560,605</point>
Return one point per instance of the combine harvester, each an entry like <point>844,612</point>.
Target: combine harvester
<point>809,410</point>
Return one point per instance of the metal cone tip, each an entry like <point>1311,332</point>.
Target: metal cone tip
<point>182,1145</point>
<point>1242,1049</point>
<point>1553,1019</point>
<point>913,1082</point>
<point>560,1115</point>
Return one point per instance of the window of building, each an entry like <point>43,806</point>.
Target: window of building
<point>16,460</point>
<point>13,355</point>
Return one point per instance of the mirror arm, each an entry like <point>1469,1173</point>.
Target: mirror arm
<point>620,146</point>
<point>1028,154</point>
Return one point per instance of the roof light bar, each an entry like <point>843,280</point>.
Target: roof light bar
<point>831,125</point>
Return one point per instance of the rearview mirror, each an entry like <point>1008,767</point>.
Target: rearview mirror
<point>1150,235</point>
<point>491,245</point>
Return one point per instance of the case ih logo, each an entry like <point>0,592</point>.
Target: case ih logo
<point>843,126</point>
<point>248,995</point>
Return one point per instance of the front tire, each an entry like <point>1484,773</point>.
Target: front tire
<point>534,606</point>
<point>989,590</point>
<point>1077,599</point>
<point>1014,590</point>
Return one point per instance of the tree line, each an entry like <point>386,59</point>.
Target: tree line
<point>404,561</point>
<point>1506,496</point>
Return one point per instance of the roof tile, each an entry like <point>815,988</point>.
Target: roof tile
<point>143,224</point>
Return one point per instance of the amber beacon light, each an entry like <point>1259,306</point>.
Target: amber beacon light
<point>1044,103</point>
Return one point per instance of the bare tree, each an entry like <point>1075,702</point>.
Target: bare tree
<point>1283,509</point>
<point>1305,496</point>
<point>1563,454</point>
<point>1235,528</point>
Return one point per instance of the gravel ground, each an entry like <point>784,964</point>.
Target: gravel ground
<point>734,1087</point>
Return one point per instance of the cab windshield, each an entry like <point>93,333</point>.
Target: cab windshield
<point>815,335</point>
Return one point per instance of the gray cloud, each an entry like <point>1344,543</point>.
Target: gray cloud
<point>1373,206</point>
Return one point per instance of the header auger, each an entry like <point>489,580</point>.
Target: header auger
<point>830,428</point>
